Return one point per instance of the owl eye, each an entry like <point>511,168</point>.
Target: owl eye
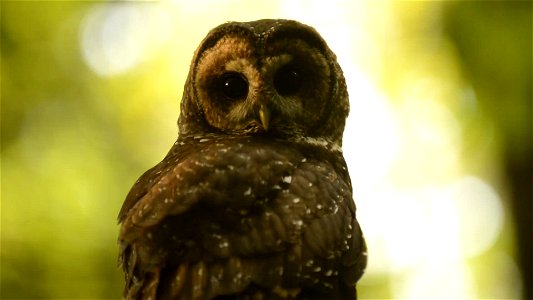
<point>233,85</point>
<point>287,80</point>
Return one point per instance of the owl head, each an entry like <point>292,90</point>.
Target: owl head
<point>274,78</point>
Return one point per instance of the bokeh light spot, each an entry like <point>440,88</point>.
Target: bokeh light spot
<point>116,37</point>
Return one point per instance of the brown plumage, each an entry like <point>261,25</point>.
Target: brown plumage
<point>254,199</point>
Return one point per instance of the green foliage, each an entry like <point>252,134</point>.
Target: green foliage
<point>68,158</point>
<point>73,141</point>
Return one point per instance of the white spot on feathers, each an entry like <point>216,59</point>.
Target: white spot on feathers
<point>298,223</point>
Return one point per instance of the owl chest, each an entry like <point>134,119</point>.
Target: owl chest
<point>241,181</point>
<point>236,175</point>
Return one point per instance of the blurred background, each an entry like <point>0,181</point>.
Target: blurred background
<point>438,142</point>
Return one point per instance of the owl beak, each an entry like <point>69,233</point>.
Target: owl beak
<point>264,116</point>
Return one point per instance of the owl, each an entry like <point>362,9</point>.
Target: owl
<point>254,199</point>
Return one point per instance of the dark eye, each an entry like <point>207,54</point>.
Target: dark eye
<point>287,80</point>
<point>233,85</point>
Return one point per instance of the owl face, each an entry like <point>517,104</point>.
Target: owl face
<point>269,77</point>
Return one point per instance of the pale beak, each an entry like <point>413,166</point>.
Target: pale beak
<point>264,116</point>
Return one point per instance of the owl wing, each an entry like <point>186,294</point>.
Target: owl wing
<point>244,218</point>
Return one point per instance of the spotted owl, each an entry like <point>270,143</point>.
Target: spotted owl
<point>254,199</point>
